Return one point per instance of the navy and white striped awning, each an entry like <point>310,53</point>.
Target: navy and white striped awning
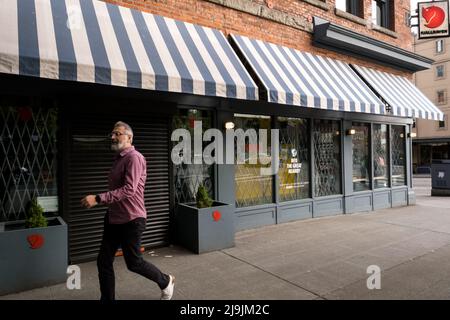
<point>93,41</point>
<point>298,78</point>
<point>405,98</point>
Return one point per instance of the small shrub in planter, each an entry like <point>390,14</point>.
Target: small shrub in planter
<point>203,199</point>
<point>35,215</point>
<point>33,252</point>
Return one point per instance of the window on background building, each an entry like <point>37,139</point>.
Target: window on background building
<point>440,71</point>
<point>253,188</point>
<point>354,7</point>
<point>327,157</point>
<point>382,13</point>
<point>442,123</point>
<point>188,177</point>
<point>294,172</point>
<point>28,141</point>
<point>380,156</point>
<point>441,96</point>
<point>440,46</point>
<point>398,147</point>
<point>361,157</point>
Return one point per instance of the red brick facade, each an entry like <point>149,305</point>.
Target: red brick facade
<point>230,20</point>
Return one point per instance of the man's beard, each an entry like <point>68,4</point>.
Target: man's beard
<point>118,146</point>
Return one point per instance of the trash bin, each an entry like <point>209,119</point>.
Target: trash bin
<point>440,178</point>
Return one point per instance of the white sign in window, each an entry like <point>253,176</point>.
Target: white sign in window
<point>49,204</point>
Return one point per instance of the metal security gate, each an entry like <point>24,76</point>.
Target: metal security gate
<point>88,163</point>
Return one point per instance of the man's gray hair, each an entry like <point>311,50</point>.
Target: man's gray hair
<point>127,127</point>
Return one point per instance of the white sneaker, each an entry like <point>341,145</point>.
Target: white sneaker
<point>166,294</point>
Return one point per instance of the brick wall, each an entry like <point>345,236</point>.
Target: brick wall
<point>262,22</point>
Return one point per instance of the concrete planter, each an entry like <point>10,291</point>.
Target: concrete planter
<point>206,229</point>
<point>31,258</point>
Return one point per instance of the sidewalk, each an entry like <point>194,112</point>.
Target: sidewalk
<point>324,258</point>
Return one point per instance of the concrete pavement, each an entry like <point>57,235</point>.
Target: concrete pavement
<point>323,258</point>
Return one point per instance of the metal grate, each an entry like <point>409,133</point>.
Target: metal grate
<point>188,177</point>
<point>327,157</point>
<point>90,161</point>
<point>361,157</point>
<point>27,157</point>
<point>398,156</point>
<point>253,188</point>
<point>380,156</point>
<point>294,159</point>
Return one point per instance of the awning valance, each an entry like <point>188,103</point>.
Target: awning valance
<point>298,78</point>
<point>94,41</point>
<point>404,98</point>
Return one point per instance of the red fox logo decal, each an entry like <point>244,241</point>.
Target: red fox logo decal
<point>35,241</point>
<point>434,16</point>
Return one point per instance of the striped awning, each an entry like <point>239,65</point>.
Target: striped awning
<point>299,78</point>
<point>93,41</point>
<point>405,98</point>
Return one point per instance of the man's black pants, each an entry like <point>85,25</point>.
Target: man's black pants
<point>128,237</point>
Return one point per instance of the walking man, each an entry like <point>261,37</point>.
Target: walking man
<point>126,216</point>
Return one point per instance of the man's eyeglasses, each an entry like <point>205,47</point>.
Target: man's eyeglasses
<point>117,134</point>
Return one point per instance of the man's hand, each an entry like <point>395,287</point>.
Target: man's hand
<point>89,201</point>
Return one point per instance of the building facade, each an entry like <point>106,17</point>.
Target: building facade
<point>332,76</point>
<point>432,139</point>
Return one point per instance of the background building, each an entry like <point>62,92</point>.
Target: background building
<point>433,138</point>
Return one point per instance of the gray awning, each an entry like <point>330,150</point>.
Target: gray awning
<point>97,42</point>
<point>300,78</point>
<point>405,98</point>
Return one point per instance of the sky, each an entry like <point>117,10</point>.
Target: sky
<point>414,7</point>
<point>414,4</point>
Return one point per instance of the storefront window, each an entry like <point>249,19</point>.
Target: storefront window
<point>327,157</point>
<point>361,157</point>
<point>380,156</point>
<point>253,188</point>
<point>188,177</point>
<point>398,156</point>
<point>294,159</point>
<point>27,158</point>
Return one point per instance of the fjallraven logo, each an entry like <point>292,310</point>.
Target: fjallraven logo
<point>35,241</point>
<point>433,20</point>
<point>216,215</point>
<point>434,16</point>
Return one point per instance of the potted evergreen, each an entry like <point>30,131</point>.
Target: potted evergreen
<point>206,225</point>
<point>33,252</point>
<point>35,215</point>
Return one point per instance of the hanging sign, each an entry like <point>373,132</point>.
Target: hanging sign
<point>433,19</point>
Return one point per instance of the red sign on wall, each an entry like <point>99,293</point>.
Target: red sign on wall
<point>433,19</point>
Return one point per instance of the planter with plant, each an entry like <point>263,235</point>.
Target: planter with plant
<point>206,225</point>
<point>33,252</point>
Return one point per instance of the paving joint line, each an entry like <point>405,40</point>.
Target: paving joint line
<point>412,227</point>
<point>274,275</point>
